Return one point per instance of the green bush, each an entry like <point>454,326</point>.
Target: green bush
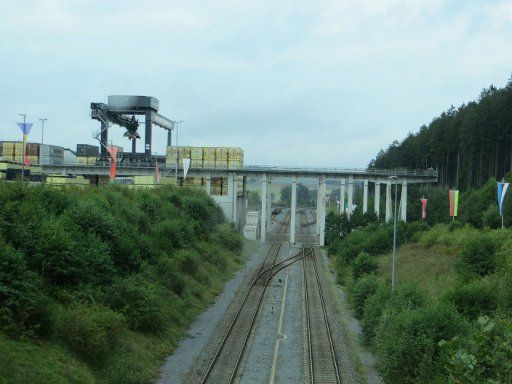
<point>91,330</point>
<point>139,301</point>
<point>473,299</point>
<point>374,307</point>
<point>408,348</point>
<point>364,264</point>
<point>18,298</point>
<point>477,257</point>
<point>360,291</point>
<point>491,217</point>
<point>481,356</point>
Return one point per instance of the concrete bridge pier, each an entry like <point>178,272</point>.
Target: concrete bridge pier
<point>350,195</point>
<point>403,200</point>
<point>269,204</point>
<point>342,196</point>
<point>365,196</point>
<point>293,209</point>
<point>388,201</point>
<point>320,213</point>
<point>263,214</point>
<point>376,204</point>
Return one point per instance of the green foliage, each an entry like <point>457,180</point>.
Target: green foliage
<point>360,291</point>
<point>137,299</point>
<point>92,331</point>
<point>364,264</point>
<point>474,299</point>
<point>467,145</point>
<point>408,348</point>
<point>90,269</point>
<point>482,356</point>
<point>305,197</point>
<point>477,257</point>
<point>374,307</point>
<point>491,217</point>
<point>17,291</point>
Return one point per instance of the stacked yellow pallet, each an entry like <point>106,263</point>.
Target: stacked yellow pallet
<point>60,180</point>
<point>85,160</point>
<point>207,157</point>
<point>235,158</point>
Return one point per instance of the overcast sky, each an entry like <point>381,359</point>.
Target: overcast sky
<point>318,83</point>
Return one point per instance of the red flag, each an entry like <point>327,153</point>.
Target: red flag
<point>452,202</point>
<point>26,160</point>
<point>113,161</point>
<point>424,208</point>
<point>157,173</point>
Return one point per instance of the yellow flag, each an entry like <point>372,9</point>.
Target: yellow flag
<point>455,203</point>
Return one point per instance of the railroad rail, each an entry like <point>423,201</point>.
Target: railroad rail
<point>323,362</point>
<point>225,363</point>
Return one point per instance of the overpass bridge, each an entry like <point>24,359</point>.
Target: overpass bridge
<point>234,205</point>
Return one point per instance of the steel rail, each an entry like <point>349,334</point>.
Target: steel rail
<point>241,307</point>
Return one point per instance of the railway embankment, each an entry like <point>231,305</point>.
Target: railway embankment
<point>98,285</point>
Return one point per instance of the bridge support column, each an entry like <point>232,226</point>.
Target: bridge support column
<point>293,209</point>
<point>269,204</point>
<point>365,196</point>
<point>388,201</point>
<point>234,188</point>
<point>209,184</point>
<point>321,213</point>
<point>376,203</point>
<point>350,194</point>
<point>342,196</point>
<point>403,201</point>
<point>263,216</point>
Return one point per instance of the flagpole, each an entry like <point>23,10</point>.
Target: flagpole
<point>24,115</point>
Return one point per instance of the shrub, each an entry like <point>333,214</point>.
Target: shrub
<point>374,307</point>
<point>139,301</point>
<point>92,331</point>
<point>477,257</point>
<point>17,290</point>
<point>473,299</point>
<point>364,264</point>
<point>408,348</point>
<point>491,217</point>
<point>483,355</point>
<point>360,291</point>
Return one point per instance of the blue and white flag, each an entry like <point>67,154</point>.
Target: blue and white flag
<point>502,190</point>
<point>25,127</point>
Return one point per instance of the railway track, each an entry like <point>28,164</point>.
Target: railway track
<point>321,353</point>
<point>225,363</point>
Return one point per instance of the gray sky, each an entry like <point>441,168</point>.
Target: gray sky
<point>324,83</point>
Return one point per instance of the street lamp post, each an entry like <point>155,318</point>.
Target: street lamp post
<point>393,269</point>
<point>42,120</point>
<point>24,115</point>
<point>176,124</point>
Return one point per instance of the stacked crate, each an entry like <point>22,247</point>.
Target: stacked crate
<point>235,158</point>
<point>196,157</point>
<point>221,157</point>
<point>206,157</point>
<point>209,157</point>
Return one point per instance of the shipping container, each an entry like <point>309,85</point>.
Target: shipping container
<point>32,149</point>
<point>87,150</point>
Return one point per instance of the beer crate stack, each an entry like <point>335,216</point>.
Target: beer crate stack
<point>206,157</point>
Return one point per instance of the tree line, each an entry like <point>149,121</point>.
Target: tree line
<point>467,145</point>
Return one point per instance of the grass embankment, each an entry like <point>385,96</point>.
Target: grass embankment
<point>449,319</point>
<point>99,285</point>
